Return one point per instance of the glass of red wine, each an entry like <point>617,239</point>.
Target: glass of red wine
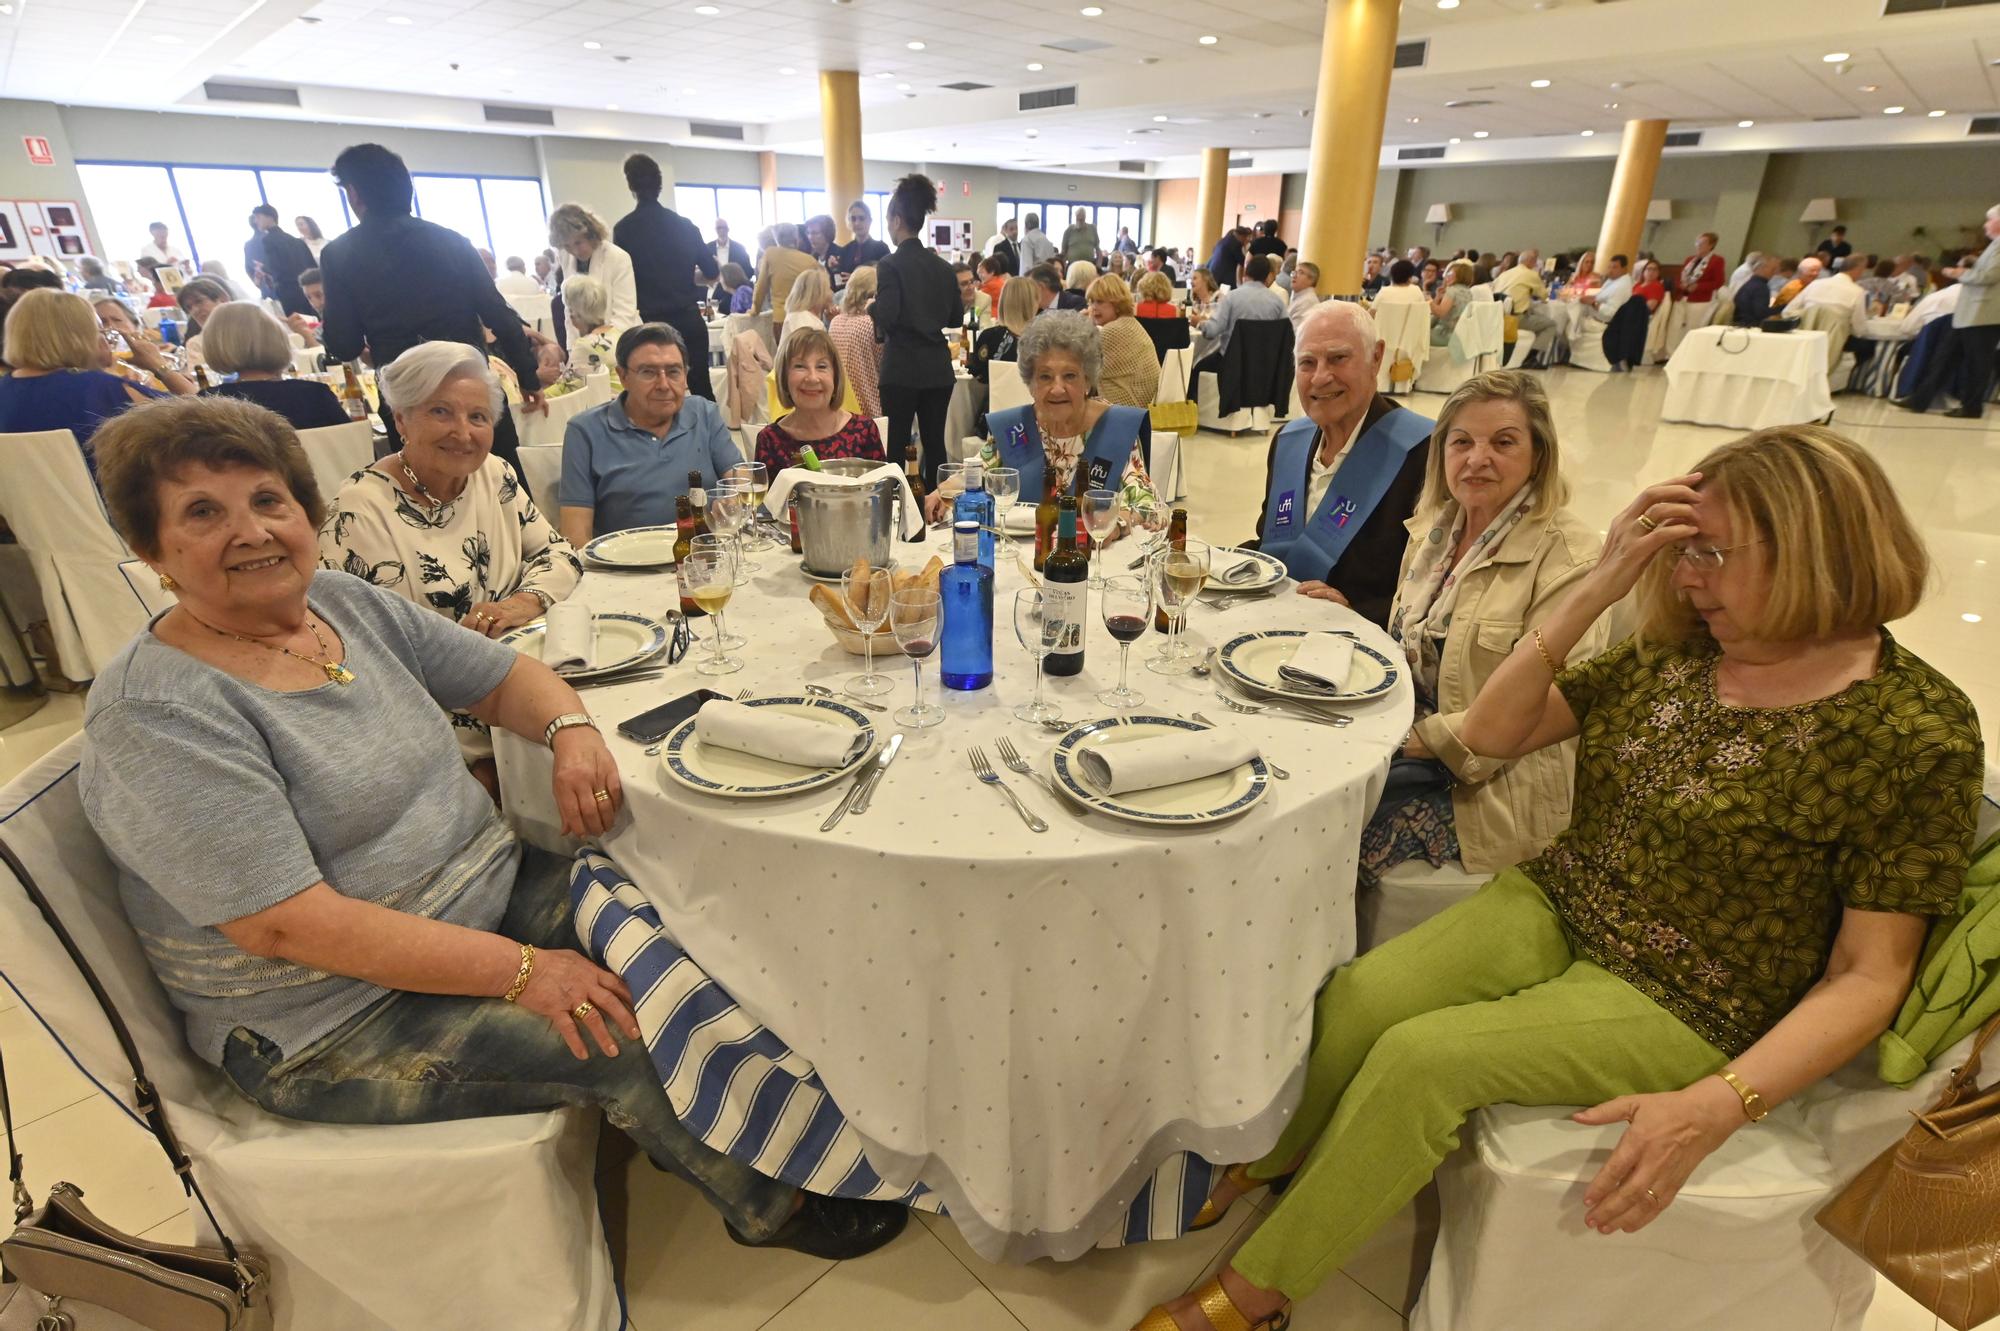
<point>913,619</point>
<point>1127,603</point>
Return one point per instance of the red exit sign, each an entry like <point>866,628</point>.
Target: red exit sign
<point>39,151</point>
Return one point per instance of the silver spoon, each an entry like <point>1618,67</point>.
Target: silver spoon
<point>1276,770</point>
<point>822,691</point>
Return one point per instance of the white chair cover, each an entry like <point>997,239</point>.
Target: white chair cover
<point>541,468</point>
<point>1409,894</point>
<point>1477,340</point>
<point>305,360</point>
<point>537,311</point>
<point>366,1228</point>
<point>1683,315</point>
<point>1658,331</point>
<point>1836,324</point>
<point>1006,389</point>
<point>598,387</point>
<point>47,497</point>
<point>1208,402</point>
<point>296,340</point>
<point>547,427</point>
<point>1405,328</point>
<point>336,453</point>
<point>1586,345</point>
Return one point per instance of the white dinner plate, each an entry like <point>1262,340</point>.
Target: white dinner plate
<point>618,642</point>
<point>1270,571</point>
<point>1252,660</point>
<point>1208,799</point>
<point>635,547</point>
<point>744,776</point>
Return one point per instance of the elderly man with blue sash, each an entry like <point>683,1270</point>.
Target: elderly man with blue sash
<point>1345,478</point>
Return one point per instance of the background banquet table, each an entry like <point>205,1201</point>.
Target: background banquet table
<point>1028,1024</point>
<point>1747,379</point>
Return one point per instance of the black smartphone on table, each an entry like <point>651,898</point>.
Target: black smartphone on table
<point>651,727</point>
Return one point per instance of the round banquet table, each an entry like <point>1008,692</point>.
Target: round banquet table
<point>1028,1024</point>
<point>1747,379</point>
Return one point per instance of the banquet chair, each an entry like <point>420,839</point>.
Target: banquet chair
<point>50,502</point>
<point>1475,346</point>
<point>538,312</point>
<point>306,360</point>
<point>1253,380</point>
<point>1404,328</point>
<point>1406,896</point>
<point>548,427</point>
<point>1586,346</point>
<point>1167,334</point>
<point>597,387</point>
<point>1005,387</point>
<point>1838,327</point>
<point>1722,311</point>
<point>336,452</point>
<point>541,471</point>
<point>357,1222</point>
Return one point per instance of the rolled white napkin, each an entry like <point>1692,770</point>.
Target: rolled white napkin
<point>1164,760</point>
<point>766,732</point>
<point>1245,569</point>
<point>1321,662</point>
<point>570,640</point>
<point>780,492</point>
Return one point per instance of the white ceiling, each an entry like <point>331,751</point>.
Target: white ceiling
<point>1699,63</point>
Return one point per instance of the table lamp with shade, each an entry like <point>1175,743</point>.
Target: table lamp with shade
<point>1657,211</point>
<point>1817,213</point>
<point>1438,216</point>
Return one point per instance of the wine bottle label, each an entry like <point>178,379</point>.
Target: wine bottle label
<point>1062,617</point>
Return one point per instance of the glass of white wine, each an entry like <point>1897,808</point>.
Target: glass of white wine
<point>706,578</point>
<point>756,478</point>
<point>1178,577</point>
<point>717,544</point>
<point>729,513</point>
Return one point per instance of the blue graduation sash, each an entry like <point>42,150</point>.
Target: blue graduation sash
<point>1104,451</point>
<point>1310,545</point>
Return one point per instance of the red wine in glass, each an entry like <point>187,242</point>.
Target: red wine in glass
<point>1125,628</point>
<point>918,649</point>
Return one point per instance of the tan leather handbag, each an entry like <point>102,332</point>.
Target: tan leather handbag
<point>1926,1212</point>
<point>1402,369</point>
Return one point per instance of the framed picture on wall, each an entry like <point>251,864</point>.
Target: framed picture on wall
<point>13,233</point>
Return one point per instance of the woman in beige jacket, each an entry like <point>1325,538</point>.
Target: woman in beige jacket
<point>1492,546</point>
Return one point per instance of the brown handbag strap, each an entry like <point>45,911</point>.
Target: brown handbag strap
<point>143,1093</point>
<point>1967,1073</point>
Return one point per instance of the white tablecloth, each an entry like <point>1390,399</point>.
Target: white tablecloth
<point>1028,1024</point>
<point>1747,379</point>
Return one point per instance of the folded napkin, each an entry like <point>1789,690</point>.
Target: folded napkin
<point>780,492</point>
<point>569,642</point>
<point>1164,761</point>
<point>1321,662</point>
<point>1019,520</point>
<point>766,732</point>
<point>1244,570</point>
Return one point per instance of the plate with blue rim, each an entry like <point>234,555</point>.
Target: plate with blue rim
<point>1268,571</point>
<point>728,774</point>
<point>618,642</point>
<point>635,547</point>
<point>1252,661</point>
<point>1208,799</point>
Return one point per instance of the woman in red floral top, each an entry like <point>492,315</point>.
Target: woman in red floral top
<point>812,383</point>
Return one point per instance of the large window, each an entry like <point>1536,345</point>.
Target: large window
<point>743,208</point>
<point>1055,216</point>
<point>516,217</point>
<point>313,194</point>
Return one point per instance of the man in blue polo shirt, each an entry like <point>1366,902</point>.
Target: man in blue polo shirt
<point>626,462</point>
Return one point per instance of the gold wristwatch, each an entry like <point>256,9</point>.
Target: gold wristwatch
<point>1754,1107</point>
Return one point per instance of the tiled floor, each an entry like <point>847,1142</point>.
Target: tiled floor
<point>683,1274</point>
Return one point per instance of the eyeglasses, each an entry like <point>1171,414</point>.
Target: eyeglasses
<point>1710,558</point>
<point>682,640</point>
<point>648,374</point>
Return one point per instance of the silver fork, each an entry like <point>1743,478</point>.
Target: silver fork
<point>1010,757</point>
<point>653,750</point>
<point>984,771</point>
<point>1280,709</point>
<point>1276,770</point>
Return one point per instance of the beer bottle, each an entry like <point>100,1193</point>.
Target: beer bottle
<point>1176,540</point>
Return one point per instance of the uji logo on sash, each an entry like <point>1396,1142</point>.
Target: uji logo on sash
<point>1100,473</point>
<point>1285,501</point>
<point>1343,508</point>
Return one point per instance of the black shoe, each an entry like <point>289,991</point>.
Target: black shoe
<point>1910,404</point>
<point>1966,413</point>
<point>835,1228</point>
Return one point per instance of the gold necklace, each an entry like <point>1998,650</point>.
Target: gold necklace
<point>437,505</point>
<point>335,672</point>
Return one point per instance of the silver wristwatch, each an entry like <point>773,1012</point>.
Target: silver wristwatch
<point>564,722</point>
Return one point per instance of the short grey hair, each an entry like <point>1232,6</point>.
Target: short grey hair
<point>1081,274</point>
<point>1062,330</point>
<point>415,377</point>
<point>240,336</point>
<point>1346,313</point>
<point>586,301</point>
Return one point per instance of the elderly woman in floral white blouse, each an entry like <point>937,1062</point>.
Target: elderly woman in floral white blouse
<point>444,522</point>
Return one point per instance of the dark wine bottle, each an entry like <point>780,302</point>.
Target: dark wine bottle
<point>913,471</point>
<point>1046,513</point>
<point>697,496</point>
<point>683,547</point>
<point>1176,540</point>
<point>1065,594</point>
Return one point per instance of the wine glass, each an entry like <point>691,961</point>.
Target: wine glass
<point>871,592</point>
<point>756,478</point>
<point>708,583</point>
<point>913,618</point>
<point>1100,515</point>
<point>949,484</point>
<point>1127,604</point>
<point>1039,634</point>
<point>1004,484</point>
<point>1178,577</point>
<point>717,544</point>
<point>729,513</point>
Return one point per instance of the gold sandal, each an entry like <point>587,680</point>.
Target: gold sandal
<point>1221,1312</point>
<point>1237,1176</point>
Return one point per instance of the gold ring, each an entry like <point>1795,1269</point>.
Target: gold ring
<point>1646,523</point>
<point>1651,1196</point>
<point>601,794</point>
<point>584,1009</point>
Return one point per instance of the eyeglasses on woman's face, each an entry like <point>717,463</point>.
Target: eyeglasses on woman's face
<point>1708,558</point>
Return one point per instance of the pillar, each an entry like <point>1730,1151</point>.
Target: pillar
<point>767,185</point>
<point>1631,189</point>
<point>1356,55</point>
<point>1209,201</point>
<point>840,137</point>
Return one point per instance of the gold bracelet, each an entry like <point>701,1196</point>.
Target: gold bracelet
<point>521,976</point>
<point>1754,1107</point>
<point>1547,660</point>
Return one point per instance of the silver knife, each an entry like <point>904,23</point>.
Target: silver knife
<point>861,779</point>
<point>875,770</point>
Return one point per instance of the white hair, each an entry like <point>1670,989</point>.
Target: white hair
<point>1347,314</point>
<point>416,376</point>
<point>587,301</point>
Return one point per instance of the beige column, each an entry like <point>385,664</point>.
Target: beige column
<point>767,185</point>
<point>1631,189</point>
<point>1209,201</point>
<point>1356,55</point>
<point>840,135</point>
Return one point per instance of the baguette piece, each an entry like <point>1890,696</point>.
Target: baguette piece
<point>856,590</point>
<point>832,605</point>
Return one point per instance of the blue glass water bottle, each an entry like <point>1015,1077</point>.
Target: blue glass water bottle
<point>965,591</point>
<point>975,504</point>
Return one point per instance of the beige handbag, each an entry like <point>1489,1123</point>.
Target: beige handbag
<point>1926,1212</point>
<point>66,1270</point>
<point>1402,370</point>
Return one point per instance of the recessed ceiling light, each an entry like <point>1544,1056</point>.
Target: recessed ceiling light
<point>167,39</point>
<point>1892,110</point>
<point>504,73</point>
<point>886,74</point>
<point>593,46</point>
<point>1159,120</point>
<point>1745,124</point>
<point>902,87</point>
<point>1611,106</point>
<point>687,92</point>
<point>1034,134</point>
<point>1835,58</point>
<point>1456,140</point>
<point>1478,133</point>
<point>612,107</point>
<point>1589,133</point>
<point>787,69</point>
<point>1870,87</point>
<point>1091,11</point>
<point>8,9</point>
<point>1447,4</point>
<point>1936,114</point>
<point>401,20</point>
<point>1538,83</point>
<point>1034,66</point>
<point>915,46</point>
<point>1970,618</point>
<point>1206,40</point>
<point>707,11</point>
<point>1413,120</point>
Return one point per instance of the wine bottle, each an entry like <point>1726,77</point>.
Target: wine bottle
<point>965,593</point>
<point>1065,594</point>
<point>1176,540</point>
<point>975,504</point>
<point>913,471</point>
<point>683,547</point>
<point>351,396</point>
<point>697,495</point>
<point>1046,513</point>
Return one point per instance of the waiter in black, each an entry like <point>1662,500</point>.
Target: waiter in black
<point>666,250</point>
<point>395,280</point>
<point>274,258</point>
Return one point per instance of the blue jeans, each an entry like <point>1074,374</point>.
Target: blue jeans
<point>423,1058</point>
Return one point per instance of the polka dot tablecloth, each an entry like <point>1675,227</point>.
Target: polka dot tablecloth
<point>1028,1024</point>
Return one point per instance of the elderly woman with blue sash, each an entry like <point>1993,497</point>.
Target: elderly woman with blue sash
<point>1345,478</point>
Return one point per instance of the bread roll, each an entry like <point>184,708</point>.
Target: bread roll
<point>833,606</point>
<point>856,590</point>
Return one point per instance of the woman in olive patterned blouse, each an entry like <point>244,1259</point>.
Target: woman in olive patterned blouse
<point>1773,799</point>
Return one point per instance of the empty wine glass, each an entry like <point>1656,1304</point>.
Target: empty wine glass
<point>1178,577</point>
<point>1099,510</point>
<point>756,478</point>
<point>706,579</point>
<point>913,618</point>
<point>1039,635</point>
<point>729,513</point>
<point>1127,604</point>
<point>1004,484</point>
<point>870,593</point>
<point>719,545</point>
<point>949,483</point>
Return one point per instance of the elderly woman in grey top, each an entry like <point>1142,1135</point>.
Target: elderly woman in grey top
<point>350,928</point>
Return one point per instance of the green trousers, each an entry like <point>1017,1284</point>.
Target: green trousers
<point>1485,1004</point>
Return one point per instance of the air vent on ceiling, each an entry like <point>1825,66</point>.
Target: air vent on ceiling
<point>1127,164</point>
<point>1419,154</point>
<point>519,115</point>
<point>1821,120</point>
<point>1930,6</point>
<point>1412,54</point>
<point>1240,163</point>
<point>705,130</point>
<point>967,85</point>
<point>1470,101</point>
<point>1984,125</point>
<point>250,92</point>
<point>1687,138</point>
<point>1041,99</point>
<point>1076,45</point>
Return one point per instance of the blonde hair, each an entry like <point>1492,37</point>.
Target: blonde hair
<point>1020,302</point>
<point>802,342</point>
<point>1111,288</point>
<point>1081,274</point>
<point>1843,555</point>
<point>1461,273</point>
<point>240,336</point>
<point>861,287</point>
<point>52,330</point>
<point>572,222</point>
<point>1525,391</point>
<point>1155,287</point>
<point>810,292</point>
